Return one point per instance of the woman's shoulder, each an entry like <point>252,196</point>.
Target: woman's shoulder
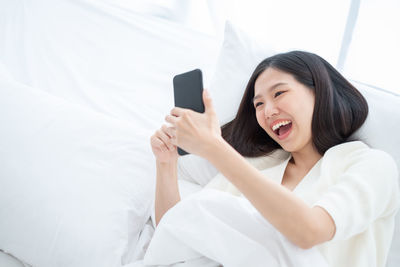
<point>355,147</point>
<point>357,152</point>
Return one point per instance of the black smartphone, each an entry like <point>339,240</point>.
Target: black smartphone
<point>188,93</point>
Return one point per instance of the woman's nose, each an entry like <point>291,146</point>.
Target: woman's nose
<point>270,111</point>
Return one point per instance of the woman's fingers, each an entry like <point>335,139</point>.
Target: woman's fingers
<point>161,145</point>
<point>164,139</point>
<point>157,143</point>
<point>171,119</point>
<point>177,114</point>
<point>208,104</point>
<point>165,135</point>
<point>177,111</point>
<point>171,132</point>
<point>168,131</point>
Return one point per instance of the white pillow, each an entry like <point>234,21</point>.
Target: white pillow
<point>96,54</point>
<point>76,186</point>
<point>195,169</point>
<point>381,128</point>
<point>238,58</point>
<point>381,131</point>
<point>7,260</point>
<point>113,61</point>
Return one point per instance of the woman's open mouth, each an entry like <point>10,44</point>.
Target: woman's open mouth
<point>282,129</point>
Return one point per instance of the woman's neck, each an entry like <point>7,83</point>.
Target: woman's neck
<point>306,158</point>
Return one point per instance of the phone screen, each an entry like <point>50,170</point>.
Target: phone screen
<point>188,91</point>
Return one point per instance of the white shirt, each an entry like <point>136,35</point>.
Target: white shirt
<point>357,186</point>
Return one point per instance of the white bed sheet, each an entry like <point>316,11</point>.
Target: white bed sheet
<point>241,236</point>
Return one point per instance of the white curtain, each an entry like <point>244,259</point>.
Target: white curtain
<point>374,55</point>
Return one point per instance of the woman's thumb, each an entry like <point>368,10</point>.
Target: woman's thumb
<point>207,101</point>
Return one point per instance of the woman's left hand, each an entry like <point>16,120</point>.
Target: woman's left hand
<point>192,131</point>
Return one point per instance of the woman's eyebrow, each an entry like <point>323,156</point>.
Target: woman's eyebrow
<point>270,89</point>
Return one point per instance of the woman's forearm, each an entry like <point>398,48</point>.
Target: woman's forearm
<point>287,212</point>
<point>167,192</point>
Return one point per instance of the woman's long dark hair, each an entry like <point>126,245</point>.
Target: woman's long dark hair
<point>339,108</point>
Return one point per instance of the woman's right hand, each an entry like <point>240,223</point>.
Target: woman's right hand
<point>163,149</point>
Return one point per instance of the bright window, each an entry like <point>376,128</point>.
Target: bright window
<point>374,53</point>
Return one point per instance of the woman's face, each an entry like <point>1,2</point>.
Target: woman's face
<point>284,109</point>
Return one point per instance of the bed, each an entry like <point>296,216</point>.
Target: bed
<point>82,88</point>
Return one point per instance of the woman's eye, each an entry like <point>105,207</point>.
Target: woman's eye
<point>258,103</point>
<point>278,93</point>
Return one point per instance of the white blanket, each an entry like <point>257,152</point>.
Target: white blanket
<point>214,228</point>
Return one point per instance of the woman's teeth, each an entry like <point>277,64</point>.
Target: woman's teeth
<point>282,123</point>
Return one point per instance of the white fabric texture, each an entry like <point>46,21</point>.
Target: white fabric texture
<point>237,60</point>
<point>357,186</point>
<point>9,261</point>
<point>218,227</point>
<point>360,191</point>
<point>195,169</point>
<point>96,54</point>
<point>239,49</point>
<point>76,186</point>
<point>186,189</point>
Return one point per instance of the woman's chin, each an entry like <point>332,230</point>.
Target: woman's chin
<point>287,147</point>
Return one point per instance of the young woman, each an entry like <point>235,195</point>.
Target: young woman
<point>333,193</point>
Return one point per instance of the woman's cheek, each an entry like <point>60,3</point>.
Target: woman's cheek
<point>260,119</point>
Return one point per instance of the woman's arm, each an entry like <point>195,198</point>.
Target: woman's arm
<point>303,225</point>
<point>167,192</point>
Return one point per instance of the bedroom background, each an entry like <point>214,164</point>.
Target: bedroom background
<point>84,84</point>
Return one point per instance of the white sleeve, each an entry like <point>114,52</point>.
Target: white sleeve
<point>367,190</point>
